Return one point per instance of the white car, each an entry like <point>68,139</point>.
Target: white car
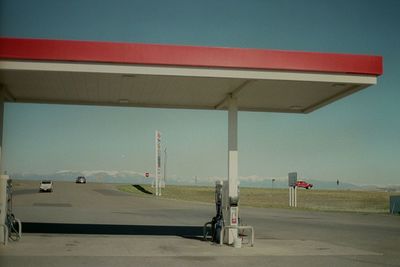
<point>46,186</point>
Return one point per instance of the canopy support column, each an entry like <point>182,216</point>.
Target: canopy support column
<point>2,99</point>
<point>231,195</point>
<point>232,147</point>
<point>3,179</point>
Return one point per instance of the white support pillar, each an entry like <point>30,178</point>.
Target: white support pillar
<point>232,147</point>
<point>157,160</point>
<point>3,209</point>
<point>231,203</point>
<point>158,163</point>
<point>3,178</point>
<point>2,98</point>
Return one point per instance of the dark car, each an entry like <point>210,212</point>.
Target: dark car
<point>304,184</point>
<point>81,180</point>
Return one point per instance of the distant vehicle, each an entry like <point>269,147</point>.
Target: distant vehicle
<point>80,180</point>
<point>46,186</point>
<point>304,184</point>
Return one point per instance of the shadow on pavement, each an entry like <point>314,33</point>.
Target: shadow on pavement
<point>142,189</point>
<point>27,191</point>
<point>112,229</point>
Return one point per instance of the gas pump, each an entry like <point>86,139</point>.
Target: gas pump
<point>227,215</point>
<point>11,226</point>
<point>218,221</point>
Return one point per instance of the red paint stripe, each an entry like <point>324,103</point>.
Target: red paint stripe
<point>174,55</point>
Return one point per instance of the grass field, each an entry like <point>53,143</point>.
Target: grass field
<point>325,200</point>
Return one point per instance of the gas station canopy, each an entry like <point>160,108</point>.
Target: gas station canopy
<point>171,76</point>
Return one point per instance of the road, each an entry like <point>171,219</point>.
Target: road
<point>96,225</point>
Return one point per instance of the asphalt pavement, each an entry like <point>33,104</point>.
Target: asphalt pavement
<point>94,224</point>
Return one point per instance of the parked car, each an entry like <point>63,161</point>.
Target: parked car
<point>80,180</point>
<point>46,186</point>
<point>304,184</point>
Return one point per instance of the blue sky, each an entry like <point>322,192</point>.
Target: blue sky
<point>355,139</point>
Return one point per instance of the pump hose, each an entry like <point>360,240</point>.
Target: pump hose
<point>13,233</point>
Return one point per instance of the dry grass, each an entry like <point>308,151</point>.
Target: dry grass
<point>360,201</point>
<point>326,200</point>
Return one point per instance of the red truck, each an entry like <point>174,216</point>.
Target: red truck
<point>304,184</point>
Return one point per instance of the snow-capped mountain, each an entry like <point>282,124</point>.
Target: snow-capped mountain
<point>135,177</point>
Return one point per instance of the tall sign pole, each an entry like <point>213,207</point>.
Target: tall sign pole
<point>165,167</point>
<point>158,162</point>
